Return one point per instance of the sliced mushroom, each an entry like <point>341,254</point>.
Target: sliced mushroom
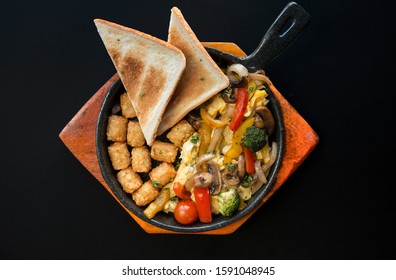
<point>230,176</point>
<point>194,115</point>
<point>203,180</point>
<point>266,115</point>
<point>189,185</point>
<point>258,121</point>
<point>229,95</point>
<point>229,99</point>
<point>241,166</point>
<point>194,119</point>
<point>214,170</point>
<point>200,162</point>
<point>231,179</point>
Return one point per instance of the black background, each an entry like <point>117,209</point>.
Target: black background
<point>339,75</point>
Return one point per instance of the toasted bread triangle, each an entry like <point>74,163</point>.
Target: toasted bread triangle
<point>201,79</point>
<point>149,68</point>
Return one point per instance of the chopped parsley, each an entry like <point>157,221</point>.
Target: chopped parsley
<point>247,180</point>
<point>250,89</point>
<point>230,166</point>
<point>155,184</point>
<point>202,78</point>
<point>227,92</point>
<point>195,138</point>
<point>141,94</point>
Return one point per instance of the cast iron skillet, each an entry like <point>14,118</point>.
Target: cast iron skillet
<point>285,29</point>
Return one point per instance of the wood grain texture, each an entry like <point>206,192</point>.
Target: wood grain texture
<point>79,137</point>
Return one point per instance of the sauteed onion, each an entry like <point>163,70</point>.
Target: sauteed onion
<point>236,72</point>
<point>259,76</point>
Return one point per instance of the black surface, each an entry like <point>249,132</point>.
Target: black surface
<point>338,75</point>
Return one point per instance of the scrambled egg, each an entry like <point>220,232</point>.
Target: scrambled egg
<point>257,94</point>
<point>217,105</point>
<point>188,157</point>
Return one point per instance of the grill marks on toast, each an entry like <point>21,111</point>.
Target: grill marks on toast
<point>201,79</point>
<point>164,80</point>
<point>149,68</point>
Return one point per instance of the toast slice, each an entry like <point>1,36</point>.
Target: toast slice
<point>149,68</point>
<point>201,79</point>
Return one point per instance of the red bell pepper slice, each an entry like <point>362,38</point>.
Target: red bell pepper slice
<point>249,159</point>
<point>180,191</point>
<point>240,108</point>
<point>202,200</point>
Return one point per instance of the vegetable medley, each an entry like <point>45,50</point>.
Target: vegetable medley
<point>210,163</point>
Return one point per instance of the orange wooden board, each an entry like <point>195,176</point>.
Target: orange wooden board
<point>79,137</point>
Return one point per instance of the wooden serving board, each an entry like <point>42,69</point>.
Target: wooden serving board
<point>79,137</point>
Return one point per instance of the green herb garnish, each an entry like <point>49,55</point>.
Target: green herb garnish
<point>227,92</point>
<point>155,184</point>
<point>230,166</point>
<point>195,138</point>
<point>247,180</point>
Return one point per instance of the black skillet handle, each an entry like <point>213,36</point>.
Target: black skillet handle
<point>279,36</point>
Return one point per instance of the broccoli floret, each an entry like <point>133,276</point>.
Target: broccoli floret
<point>226,202</point>
<point>255,138</point>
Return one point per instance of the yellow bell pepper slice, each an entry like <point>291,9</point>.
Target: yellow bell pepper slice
<point>205,132</point>
<point>211,121</point>
<point>236,148</point>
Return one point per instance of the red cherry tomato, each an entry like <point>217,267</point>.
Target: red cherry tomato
<point>186,212</point>
<point>180,191</point>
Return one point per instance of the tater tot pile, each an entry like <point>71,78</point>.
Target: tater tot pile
<point>142,171</point>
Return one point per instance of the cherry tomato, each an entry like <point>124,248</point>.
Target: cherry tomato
<point>186,212</point>
<point>180,191</point>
